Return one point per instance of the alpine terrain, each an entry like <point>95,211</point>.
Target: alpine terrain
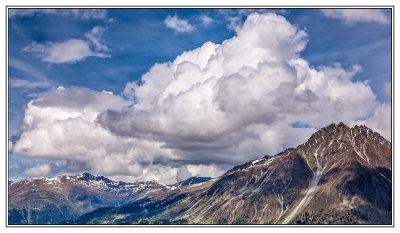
<point>340,175</point>
<point>52,200</point>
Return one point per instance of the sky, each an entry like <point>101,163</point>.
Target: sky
<point>166,94</point>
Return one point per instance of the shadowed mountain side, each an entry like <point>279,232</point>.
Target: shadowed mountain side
<point>126,214</point>
<point>56,199</point>
<point>52,200</point>
<point>341,175</point>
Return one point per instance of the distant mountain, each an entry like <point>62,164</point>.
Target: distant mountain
<point>52,200</point>
<point>193,180</point>
<point>341,175</point>
<point>124,192</point>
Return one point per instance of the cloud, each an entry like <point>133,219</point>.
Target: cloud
<point>213,104</point>
<point>29,12</point>
<point>206,111</point>
<point>351,16</point>
<point>89,13</point>
<point>380,121</point>
<point>107,92</point>
<point>205,20</point>
<point>39,170</point>
<point>178,25</point>
<point>95,36</point>
<point>236,17</point>
<point>61,125</point>
<point>183,173</point>
<point>22,83</point>
<point>71,50</point>
<point>388,89</point>
<point>75,102</point>
<point>10,145</point>
<point>76,13</point>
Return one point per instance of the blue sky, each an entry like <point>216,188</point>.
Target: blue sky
<point>137,38</point>
<point>120,45</point>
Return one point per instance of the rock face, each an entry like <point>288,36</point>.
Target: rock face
<point>192,180</point>
<point>341,175</point>
<point>124,192</point>
<point>52,200</point>
<point>336,170</point>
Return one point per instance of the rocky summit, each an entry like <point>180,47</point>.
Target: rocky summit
<point>339,170</point>
<point>340,175</point>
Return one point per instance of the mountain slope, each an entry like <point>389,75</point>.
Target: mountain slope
<point>192,180</point>
<point>52,200</point>
<point>341,175</point>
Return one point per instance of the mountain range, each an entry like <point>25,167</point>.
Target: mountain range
<point>51,200</point>
<point>340,175</point>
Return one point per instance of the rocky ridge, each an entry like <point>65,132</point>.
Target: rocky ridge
<point>340,175</point>
<point>51,200</point>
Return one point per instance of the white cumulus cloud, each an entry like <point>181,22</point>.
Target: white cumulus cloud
<point>351,16</point>
<point>61,124</point>
<point>39,170</point>
<point>388,89</point>
<point>215,98</point>
<point>177,24</point>
<point>205,20</point>
<point>71,50</point>
<point>183,173</point>
<point>208,110</point>
<point>380,121</point>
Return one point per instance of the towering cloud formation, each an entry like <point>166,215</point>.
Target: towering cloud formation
<point>209,109</point>
<point>220,96</point>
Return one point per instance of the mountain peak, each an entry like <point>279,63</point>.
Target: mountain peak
<point>194,180</point>
<point>340,125</point>
<point>66,196</point>
<point>335,127</point>
<point>334,143</point>
<point>85,176</point>
<point>340,175</point>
